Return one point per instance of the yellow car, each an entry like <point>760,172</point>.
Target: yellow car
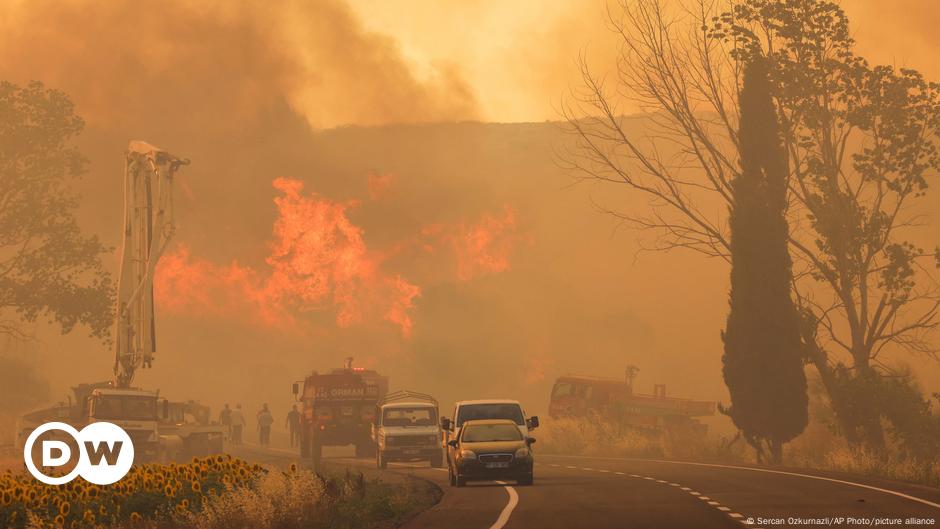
<point>492,449</point>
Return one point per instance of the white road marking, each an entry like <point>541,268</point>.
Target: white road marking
<point>507,510</point>
<point>781,472</point>
<point>586,468</point>
<point>711,502</point>
<point>569,466</point>
<point>604,471</point>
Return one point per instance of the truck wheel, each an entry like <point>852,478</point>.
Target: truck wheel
<point>365,450</point>
<point>437,461</point>
<point>316,453</point>
<point>380,460</point>
<point>305,442</point>
<point>451,477</point>
<point>460,481</point>
<point>526,480</point>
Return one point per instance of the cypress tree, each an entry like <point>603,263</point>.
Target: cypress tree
<point>763,365</point>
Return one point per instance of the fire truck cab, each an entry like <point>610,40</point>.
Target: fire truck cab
<point>338,409</point>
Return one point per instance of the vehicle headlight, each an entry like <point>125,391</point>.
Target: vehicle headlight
<point>522,453</point>
<point>467,454</point>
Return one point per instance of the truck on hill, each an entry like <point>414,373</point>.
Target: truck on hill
<point>338,409</point>
<point>614,400</point>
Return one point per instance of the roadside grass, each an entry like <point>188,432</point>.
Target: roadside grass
<point>212,493</point>
<point>818,448</point>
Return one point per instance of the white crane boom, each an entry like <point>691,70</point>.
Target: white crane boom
<point>148,228</point>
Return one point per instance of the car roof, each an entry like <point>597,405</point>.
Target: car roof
<point>409,405</point>
<point>488,401</point>
<point>489,421</point>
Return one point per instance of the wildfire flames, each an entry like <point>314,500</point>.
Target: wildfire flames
<point>319,261</point>
<point>480,248</point>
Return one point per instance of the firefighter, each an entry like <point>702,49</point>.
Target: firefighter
<point>225,419</point>
<point>265,420</point>
<point>293,425</point>
<point>238,423</point>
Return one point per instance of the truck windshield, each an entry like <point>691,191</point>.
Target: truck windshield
<point>132,408</point>
<point>473,412</point>
<point>409,417</point>
<point>488,433</point>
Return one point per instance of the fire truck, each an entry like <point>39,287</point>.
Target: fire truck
<point>614,399</point>
<point>338,409</point>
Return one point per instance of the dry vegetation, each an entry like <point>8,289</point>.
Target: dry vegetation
<point>216,492</point>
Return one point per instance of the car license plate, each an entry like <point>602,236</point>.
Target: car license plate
<point>411,451</point>
<point>497,465</point>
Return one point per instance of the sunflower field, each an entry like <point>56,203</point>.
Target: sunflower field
<point>147,492</point>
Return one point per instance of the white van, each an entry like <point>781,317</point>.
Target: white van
<point>472,410</point>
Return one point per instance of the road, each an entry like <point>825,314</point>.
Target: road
<point>575,492</point>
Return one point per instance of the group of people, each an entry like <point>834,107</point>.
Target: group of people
<point>234,422</point>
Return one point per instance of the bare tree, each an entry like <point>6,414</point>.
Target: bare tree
<point>861,143</point>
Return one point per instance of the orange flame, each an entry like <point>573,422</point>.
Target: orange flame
<point>482,247</point>
<point>318,258</point>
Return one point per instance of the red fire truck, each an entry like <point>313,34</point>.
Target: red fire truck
<point>338,409</point>
<point>614,399</point>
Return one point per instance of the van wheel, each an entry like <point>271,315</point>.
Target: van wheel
<point>528,480</point>
<point>460,481</point>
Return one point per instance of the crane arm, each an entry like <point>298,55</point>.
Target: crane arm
<point>148,228</point>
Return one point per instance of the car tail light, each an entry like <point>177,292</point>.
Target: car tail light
<point>324,416</point>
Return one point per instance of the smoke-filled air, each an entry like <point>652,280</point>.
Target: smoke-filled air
<point>703,232</point>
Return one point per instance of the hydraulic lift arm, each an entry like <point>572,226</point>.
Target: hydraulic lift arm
<point>148,228</point>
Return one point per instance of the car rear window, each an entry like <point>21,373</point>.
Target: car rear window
<point>486,433</point>
<point>475,412</point>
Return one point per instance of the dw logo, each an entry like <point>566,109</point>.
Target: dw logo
<point>105,453</point>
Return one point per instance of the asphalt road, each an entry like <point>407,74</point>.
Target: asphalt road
<point>576,492</point>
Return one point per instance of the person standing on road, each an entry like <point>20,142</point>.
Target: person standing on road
<point>225,419</point>
<point>265,420</point>
<point>293,425</point>
<point>238,423</point>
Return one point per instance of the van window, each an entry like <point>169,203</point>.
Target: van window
<point>473,412</point>
<point>562,389</point>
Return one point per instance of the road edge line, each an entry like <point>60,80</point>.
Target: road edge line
<point>769,471</point>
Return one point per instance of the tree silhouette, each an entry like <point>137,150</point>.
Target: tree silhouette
<point>861,142</point>
<point>763,365</point>
<point>47,266</point>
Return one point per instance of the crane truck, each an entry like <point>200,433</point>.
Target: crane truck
<point>158,428</point>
